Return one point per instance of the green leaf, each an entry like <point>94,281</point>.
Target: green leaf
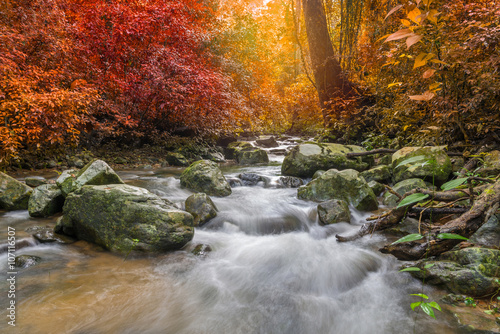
<point>427,309</point>
<point>429,265</point>
<point>416,304</point>
<point>420,295</point>
<point>435,305</point>
<point>451,236</point>
<point>453,183</point>
<point>489,312</point>
<point>409,269</point>
<point>409,237</point>
<point>413,198</point>
<point>410,160</point>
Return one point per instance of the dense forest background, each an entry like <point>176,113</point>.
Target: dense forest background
<point>80,72</point>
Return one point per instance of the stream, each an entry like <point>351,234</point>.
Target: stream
<point>272,269</point>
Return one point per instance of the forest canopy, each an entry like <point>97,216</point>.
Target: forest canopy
<point>77,72</point>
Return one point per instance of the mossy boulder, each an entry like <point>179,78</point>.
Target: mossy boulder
<point>491,164</point>
<point>246,154</point>
<point>401,188</point>
<point>122,218</point>
<point>346,185</point>
<point>489,234</point>
<point>471,271</point>
<point>176,159</point>
<point>305,159</point>
<point>377,187</point>
<point>45,201</point>
<point>206,177</point>
<point>202,208</point>
<point>333,211</point>
<point>430,163</point>
<point>380,173</point>
<point>267,142</point>
<point>14,195</point>
<point>95,173</point>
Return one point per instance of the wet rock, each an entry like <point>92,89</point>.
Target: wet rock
<point>267,142</point>
<point>377,188</point>
<point>96,172</point>
<point>215,156</point>
<point>251,179</point>
<point>234,182</point>
<point>206,177</point>
<point>35,181</point>
<point>202,208</point>
<point>290,182</point>
<point>333,211</point>
<point>122,218</point>
<point>344,185</point>
<point>176,159</point>
<point>471,271</point>
<point>432,163</point>
<point>26,261</point>
<point>380,173</point>
<point>45,201</point>
<point>401,188</point>
<point>318,173</point>
<point>278,151</point>
<point>47,235</point>
<point>201,250</point>
<point>305,159</point>
<point>14,195</point>
<point>245,154</point>
<point>489,234</point>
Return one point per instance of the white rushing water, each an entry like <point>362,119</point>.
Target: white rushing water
<point>272,269</point>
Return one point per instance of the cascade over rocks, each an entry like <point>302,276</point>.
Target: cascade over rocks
<point>123,218</point>
<point>428,163</point>
<point>344,185</point>
<point>14,195</point>
<point>205,176</point>
<point>305,159</point>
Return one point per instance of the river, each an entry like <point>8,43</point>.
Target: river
<point>272,269</point>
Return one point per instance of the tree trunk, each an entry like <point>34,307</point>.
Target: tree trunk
<point>330,82</point>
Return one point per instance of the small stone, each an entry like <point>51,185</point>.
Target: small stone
<point>201,250</point>
<point>26,261</point>
<point>35,181</point>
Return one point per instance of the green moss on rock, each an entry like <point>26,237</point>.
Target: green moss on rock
<point>205,176</point>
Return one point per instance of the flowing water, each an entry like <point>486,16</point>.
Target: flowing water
<point>272,269</point>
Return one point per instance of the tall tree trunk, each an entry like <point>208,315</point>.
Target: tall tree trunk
<point>330,82</point>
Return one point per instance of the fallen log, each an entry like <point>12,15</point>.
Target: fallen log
<point>484,207</point>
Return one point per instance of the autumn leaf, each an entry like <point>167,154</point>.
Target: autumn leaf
<point>412,40</point>
<point>427,96</point>
<point>399,34</point>
<point>414,15</point>
<point>429,73</point>
<point>392,11</point>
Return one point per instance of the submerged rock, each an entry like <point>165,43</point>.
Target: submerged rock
<point>430,163</point>
<point>305,159</point>
<point>251,179</point>
<point>96,172</point>
<point>14,195</point>
<point>122,218</point>
<point>45,201</point>
<point>290,182</point>
<point>201,207</point>
<point>333,211</point>
<point>344,185</point>
<point>205,176</point>
<point>26,261</point>
<point>201,250</point>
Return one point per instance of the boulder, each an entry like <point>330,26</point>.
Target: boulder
<point>45,201</point>
<point>202,208</point>
<point>35,181</point>
<point>377,188</point>
<point>206,177</point>
<point>491,164</point>
<point>246,154</point>
<point>94,173</point>
<point>344,185</point>
<point>471,271</point>
<point>333,211</point>
<point>124,218</point>
<point>14,195</point>
<point>380,173</point>
<point>290,182</point>
<point>267,142</point>
<point>489,234</point>
<point>305,159</point>
<point>318,173</point>
<point>430,163</point>
<point>401,188</point>
<point>176,159</point>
